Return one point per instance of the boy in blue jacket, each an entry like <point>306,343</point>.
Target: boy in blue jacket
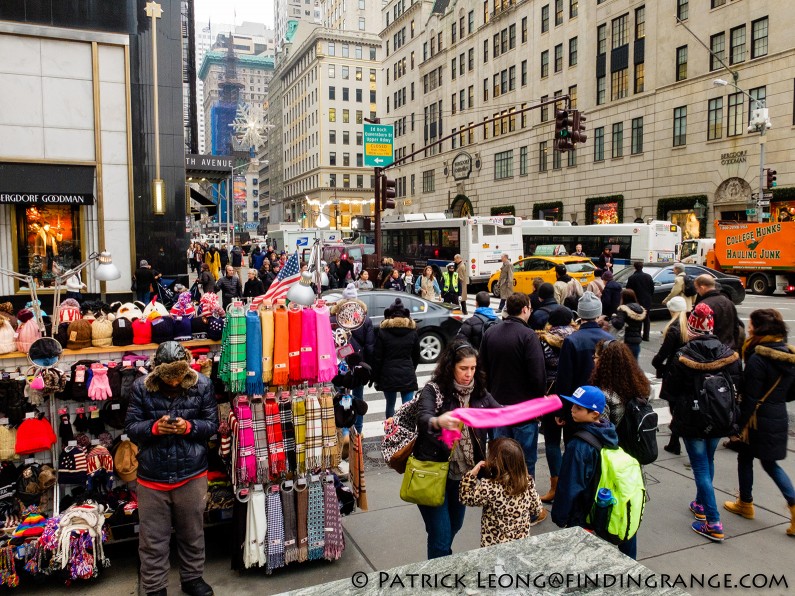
<point>580,469</point>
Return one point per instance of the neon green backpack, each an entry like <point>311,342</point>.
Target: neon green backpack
<point>622,475</point>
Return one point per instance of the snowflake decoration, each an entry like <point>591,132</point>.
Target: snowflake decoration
<point>250,126</point>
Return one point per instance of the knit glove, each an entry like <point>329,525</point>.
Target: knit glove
<point>100,387</point>
<point>65,429</point>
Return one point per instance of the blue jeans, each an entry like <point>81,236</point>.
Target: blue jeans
<point>502,305</point>
<point>527,436</point>
<point>745,472</point>
<point>391,398</point>
<point>635,349</point>
<point>552,434</point>
<point>630,547</point>
<point>702,461</point>
<point>443,522</point>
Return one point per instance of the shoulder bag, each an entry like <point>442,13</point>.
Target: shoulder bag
<point>751,424</point>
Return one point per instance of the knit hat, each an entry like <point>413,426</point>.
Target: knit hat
<point>24,315</point>
<point>34,435</point>
<point>560,317</point>
<point>8,441</point>
<point>350,293</point>
<point>396,309</point>
<point>589,307</point>
<point>69,311</point>
<point>122,332</point>
<point>28,331</point>
<point>114,413</point>
<point>7,341</point>
<point>129,311</point>
<point>72,465</point>
<point>162,329</point>
<point>142,332</point>
<point>215,327</point>
<point>8,480</point>
<point>99,464</point>
<point>79,335</point>
<point>546,290</point>
<point>32,525</point>
<point>701,320</point>
<point>126,461</point>
<point>561,270</point>
<point>607,276</point>
<point>155,307</point>
<point>45,352</point>
<point>677,304</point>
<point>183,330</point>
<point>198,328</point>
<point>209,304</point>
<point>101,333</point>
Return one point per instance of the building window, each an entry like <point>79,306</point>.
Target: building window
<point>559,57</point>
<point>524,29</point>
<point>574,8</point>
<point>524,73</point>
<point>503,165</point>
<point>428,182</point>
<point>523,161</point>
<point>737,42</point>
<point>362,27</point>
<point>331,49</point>
<point>471,59</point>
<point>462,65</point>
<point>573,51</point>
<point>601,39</point>
<point>571,158</point>
<point>345,72</point>
<point>346,180</point>
<point>461,100</point>
<point>601,86</point>
<point>717,3</point>
<point>471,21</point>
<point>346,137</point>
<point>359,95</point>
<point>331,71</point>
<point>544,63</point>
<point>759,94</point>
<point>556,161</point>
<point>542,156</point>
<point>637,136</point>
<point>682,9</point>
<point>332,137</point>
<point>680,126</point>
<point>453,33</point>
<point>485,89</point>
<point>618,139</point>
<point>332,158</point>
<point>512,36</point>
<point>735,113</point>
<point>359,116</point>
<point>759,38</point>
<point>360,138</point>
<point>346,116</point>
<point>681,63</point>
<point>485,51</point>
<point>619,84</point>
<point>471,97</point>
<point>332,180</point>
<point>640,22</point>
<point>599,144</point>
<point>346,94</point>
<point>639,77</point>
<point>346,159</point>
<point>453,69</point>
<point>359,181</point>
<point>717,45</point>
<point>573,96</point>
<point>453,103</point>
<point>558,12</point>
<point>620,34</point>
<point>332,114</point>
<point>715,119</point>
<point>545,18</point>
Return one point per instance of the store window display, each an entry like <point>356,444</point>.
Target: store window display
<point>49,241</point>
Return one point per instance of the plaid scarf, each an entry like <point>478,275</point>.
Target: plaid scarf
<point>314,432</point>
<point>253,349</point>
<point>301,513</point>
<point>331,455</point>
<point>290,525</point>
<point>335,539</point>
<point>275,440</point>
<point>294,343</point>
<point>258,424</point>
<point>299,425</point>
<point>357,469</point>
<point>315,520</point>
<point>266,329</point>
<point>275,530</point>
<point>288,431</point>
<point>246,460</point>
<point>231,445</point>
<point>309,345</point>
<point>233,351</point>
<point>281,370</point>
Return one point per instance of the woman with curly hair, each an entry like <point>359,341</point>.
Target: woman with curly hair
<point>618,375</point>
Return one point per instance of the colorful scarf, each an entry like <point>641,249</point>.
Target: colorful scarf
<point>314,432</point>
<point>356,459</point>
<point>315,521</point>
<point>253,348</point>
<point>331,455</point>
<point>294,324</point>
<point>233,351</point>
<point>259,426</point>
<point>335,539</point>
<point>246,460</point>
<point>275,440</point>
<point>281,371</point>
<point>299,425</point>
<point>275,530</point>
<point>255,551</point>
<point>288,430</point>
<point>266,325</point>
<point>290,526</point>
<point>301,514</point>
<point>326,349</point>
<point>309,345</point>
<point>229,447</point>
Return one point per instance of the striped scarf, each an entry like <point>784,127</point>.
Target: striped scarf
<point>294,343</point>
<point>246,460</point>
<point>253,349</point>
<point>266,329</point>
<point>288,431</point>
<point>309,345</point>
<point>281,371</point>
<point>232,445</point>
<point>290,525</point>
<point>233,350</point>
<point>301,514</point>
<point>275,441</point>
<point>335,539</point>
<point>299,425</point>
<point>314,432</point>
<point>275,530</point>
<point>326,354</point>
<point>315,521</point>
<point>258,424</point>
<point>331,455</point>
<point>357,469</point>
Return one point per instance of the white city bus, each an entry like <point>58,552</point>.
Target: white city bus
<point>433,239</point>
<point>653,242</point>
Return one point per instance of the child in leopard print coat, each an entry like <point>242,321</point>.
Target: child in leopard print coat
<point>508,497</point>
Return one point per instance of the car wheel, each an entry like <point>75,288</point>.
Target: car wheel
<point>495,289</point>
<point>431,345</point>
<point>759,284</point>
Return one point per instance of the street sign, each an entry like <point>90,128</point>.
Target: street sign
<point>750,211</point>
<point>378,145</point>
<point>767,195</point>
<point>763,203</point>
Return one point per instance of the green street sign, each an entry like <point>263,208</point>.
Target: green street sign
<point>378,145</point>
<point>750,211</point>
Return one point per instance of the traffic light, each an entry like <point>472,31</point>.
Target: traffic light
<point>563,131</point>
<point>771,178</point>
<point>388,193</point>
<point>578,127</point>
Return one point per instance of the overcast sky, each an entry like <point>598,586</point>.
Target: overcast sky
<point>224,11</point>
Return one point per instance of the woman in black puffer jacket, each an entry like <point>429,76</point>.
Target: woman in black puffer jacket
<point>396,356</point>
<point>629,317</point>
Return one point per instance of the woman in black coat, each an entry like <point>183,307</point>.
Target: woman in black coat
<point>611,294</point>
<point>397,354</point>
<point>769,374</point>
<point>629,317</point>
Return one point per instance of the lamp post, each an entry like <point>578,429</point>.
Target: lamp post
<point>154,11</point>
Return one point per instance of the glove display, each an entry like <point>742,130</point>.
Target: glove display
<point>100,387</point>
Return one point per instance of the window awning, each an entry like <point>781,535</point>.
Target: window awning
<point>204,201</point>
<point>46,184</point>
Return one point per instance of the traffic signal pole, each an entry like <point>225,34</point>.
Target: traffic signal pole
<point>759,209</point>
<point>377,213</point>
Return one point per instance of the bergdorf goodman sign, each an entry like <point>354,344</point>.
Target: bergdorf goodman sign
<point>462,166</point>
<point>32,198</point>
<point>733,157</point>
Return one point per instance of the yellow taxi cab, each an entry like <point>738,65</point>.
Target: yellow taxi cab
<point>527,269</point>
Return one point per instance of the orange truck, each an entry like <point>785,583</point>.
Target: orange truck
<point>763,254</point>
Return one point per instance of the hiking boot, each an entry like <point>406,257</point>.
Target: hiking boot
<point>739,507</point>
<point>673,448</point>
<point>712,531</point>
<point>197,587</point>
<point>791,529</point>
<point>550,496</point>
<point>698,511</point>
<point>535,520</point>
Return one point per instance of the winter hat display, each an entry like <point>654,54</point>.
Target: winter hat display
<point>79,334</point>
<point>122,332</point>
<point>72,468</point>
<point>184,306</point>
<point>126,461</point>
<point>209,304</point>
<point>7,338</point>
<point>69,311</point>
<point>142,332</point>
<point>589,307</point>
<point>129,311</point>
<point>215,327</point>
<point>701,320</point>
<point>7,312</point>
<point>198,328</point>
<point>162,329</point>
<point>34,435</point>
<point>45,352</point>
<point>102,333</point>
<point>183,330</point>
<point>155,307</point>
<point>99,465</point>
<point>32,525</point>
<point>28,331</point>
<point>676,304</point>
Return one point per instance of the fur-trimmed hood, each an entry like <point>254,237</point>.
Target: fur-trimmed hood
<point>398,323</point>
<point>633,310</point>
<point>707,353</point>
<point>781,353</point>
<point>554,336</point>
<point>334,308</point>
<point>169,371</point>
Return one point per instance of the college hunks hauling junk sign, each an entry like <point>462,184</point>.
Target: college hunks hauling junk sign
<point>748,244</point>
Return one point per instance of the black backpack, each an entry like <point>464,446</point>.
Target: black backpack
<point>637,431</point>
<point>690,286</point>
<point>714,404</point>
<point>485,324</point>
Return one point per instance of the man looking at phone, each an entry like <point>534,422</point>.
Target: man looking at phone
<point>171,416</point>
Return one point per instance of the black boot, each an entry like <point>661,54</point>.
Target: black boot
<point>197,587</point>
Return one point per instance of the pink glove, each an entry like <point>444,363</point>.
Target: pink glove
<point>99,388</point>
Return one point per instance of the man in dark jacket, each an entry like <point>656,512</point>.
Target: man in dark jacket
<point>643,285</point>
<point>237,259</point>
<point>727,323</point>
<point>229,286</point>
<point>611,294</point>
<point>540,316</point>
<point>171,416</point>
<point>145,277</point>
<point>475,326</point>
<point>223,254</point>
<point>512,357</point>
<point>344,271</point>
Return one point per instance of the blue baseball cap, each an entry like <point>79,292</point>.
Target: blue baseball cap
<point>588,397</point>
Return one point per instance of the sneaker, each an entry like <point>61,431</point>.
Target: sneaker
<point>197,587</point>
<point>712,531</point>
<point>537,519</point>
<point>698,511</point>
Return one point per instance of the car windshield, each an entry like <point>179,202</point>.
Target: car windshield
<point>622,276</point>
<point>583,267</point>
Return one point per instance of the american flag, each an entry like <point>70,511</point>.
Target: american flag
<point>288,275</point>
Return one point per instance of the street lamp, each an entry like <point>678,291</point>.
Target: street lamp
<point>154,11</point>
<point>699,210</point>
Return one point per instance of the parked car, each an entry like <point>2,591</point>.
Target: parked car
<point>437,324</point>
<point>527,269</point>
<point>663,276</point>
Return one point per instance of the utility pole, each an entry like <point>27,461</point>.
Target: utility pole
<point>377,213</point>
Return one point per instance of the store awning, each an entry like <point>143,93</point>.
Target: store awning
<point>204,201</point>
<point>46,184</point>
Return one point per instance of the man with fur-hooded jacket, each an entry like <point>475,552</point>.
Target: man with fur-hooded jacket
<point>171,416</point>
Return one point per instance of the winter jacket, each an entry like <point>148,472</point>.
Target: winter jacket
<point>144,278</point>
<point>630,317</point>
<point>581,462</point>
<point>206,281</point>
<point>266,277</point>
<point>472,328</point>
<point>257,259</point>
<point>450,283</point>
<point>538,320</point>
<point>568,291</point>
<point>429,445</point>
<point>643,285</point>
<point>763,367</point>
<point>576,357</point>
<point>672,341</point>
<point>611,298</point>
<point>230,288</point>
<point>427,288</point>
<point>506,280</point>
<point>551,343</point>
<point>596,287</point>
<point>679,290</point>
<point>513,360</point>
<point>253,288</point>
<point>344,270</point>
<point>727,323</point>
<point>703,354</point>
<point>237,257</point>
<point>363,338</point>
<point>172,458</point>
<point>396,355</point>
<point>395,284</point>
<point>535,301</point>
<point>463,276</point>
<point>224,256</point>
<point>605,262</point>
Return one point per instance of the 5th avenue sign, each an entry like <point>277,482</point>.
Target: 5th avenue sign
<point>462,166</point>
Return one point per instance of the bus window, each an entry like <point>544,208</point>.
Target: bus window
<point>504,231</point>
<point>488,230</point>
<point>475,230</point>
